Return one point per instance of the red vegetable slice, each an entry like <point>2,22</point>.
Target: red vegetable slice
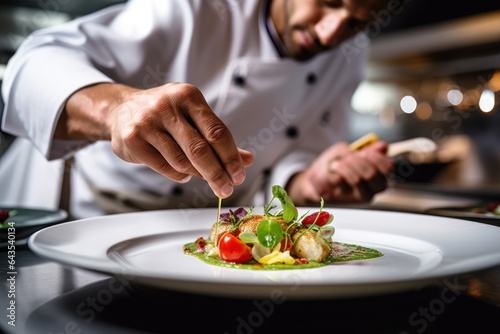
<point>323,219</point>
<point>4,215</point>
<point>232,249</point>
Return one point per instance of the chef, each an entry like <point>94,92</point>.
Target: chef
<point>172,104</point>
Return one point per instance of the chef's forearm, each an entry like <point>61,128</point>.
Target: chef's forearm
<point>293,189</point>
<point>88,113</point>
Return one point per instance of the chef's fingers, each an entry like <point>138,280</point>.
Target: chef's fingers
<point>348,168</point>
<point>246,156</point>
<point>334,153</point>
<point>218,136</point>
<point>221,141</point>
<point>320,180</point>
<point>359,179</point>
<point>142,152</point>
<point>202,156</point>
<point>170,151</point>
<point>203,137</point>
<point>379,159</point>
<point>362,165</point>
<point>379,146</point>
<point>334,189</point>
<point>349,175</point>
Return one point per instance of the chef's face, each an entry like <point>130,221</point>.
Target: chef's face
<point>308,27</point>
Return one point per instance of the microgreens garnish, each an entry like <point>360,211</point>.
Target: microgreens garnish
<point>288,212</point>
<point>235,217</point>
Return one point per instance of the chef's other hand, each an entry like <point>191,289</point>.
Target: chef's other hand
<point>169,128</point>
<point>341,175</point>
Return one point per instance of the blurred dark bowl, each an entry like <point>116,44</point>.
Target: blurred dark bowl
<point>407,171</point>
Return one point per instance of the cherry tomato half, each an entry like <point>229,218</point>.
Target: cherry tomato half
<point>232,249</point>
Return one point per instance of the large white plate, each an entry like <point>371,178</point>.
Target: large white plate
<point>146,249</point>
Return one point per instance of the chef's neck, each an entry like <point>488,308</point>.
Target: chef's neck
<point>277,16</point>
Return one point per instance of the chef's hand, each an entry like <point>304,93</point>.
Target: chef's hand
<point>169,128</point>
<point>341,175</point>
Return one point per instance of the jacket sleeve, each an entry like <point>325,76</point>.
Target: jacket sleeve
<point>111,45</point>
<point>319,137</point>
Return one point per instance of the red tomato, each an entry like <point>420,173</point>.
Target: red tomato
<point>232,249</point>
<point>235,233</point>
<point>323,218</point>
<point>288,245</point>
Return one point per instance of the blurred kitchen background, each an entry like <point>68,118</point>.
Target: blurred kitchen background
<point>434,72</point>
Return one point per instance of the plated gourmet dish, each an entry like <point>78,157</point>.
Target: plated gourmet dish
<point>488,209</point>
<point>276,239</point>
<point>4,216</point>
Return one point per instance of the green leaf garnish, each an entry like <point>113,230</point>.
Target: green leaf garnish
<point>289,212</point>
<point>269,233</point>
<point>248,237</point>
<point>279,192</point>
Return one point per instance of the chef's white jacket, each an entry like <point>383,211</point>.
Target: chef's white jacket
<point>285,112</point>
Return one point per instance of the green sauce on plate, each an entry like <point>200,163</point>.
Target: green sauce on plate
<point>348,253</point>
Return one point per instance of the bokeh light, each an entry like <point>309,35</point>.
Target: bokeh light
<point>455,97</point>
<point>408,104</point>
<point>487,101</point>
<point>494,83</point>
<point>423,111</point>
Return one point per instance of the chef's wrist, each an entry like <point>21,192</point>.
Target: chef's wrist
<point>294,189</point>
<point>89,113</point>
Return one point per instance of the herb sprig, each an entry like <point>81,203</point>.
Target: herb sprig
<point>289,212</point>
<point>235,217</point>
